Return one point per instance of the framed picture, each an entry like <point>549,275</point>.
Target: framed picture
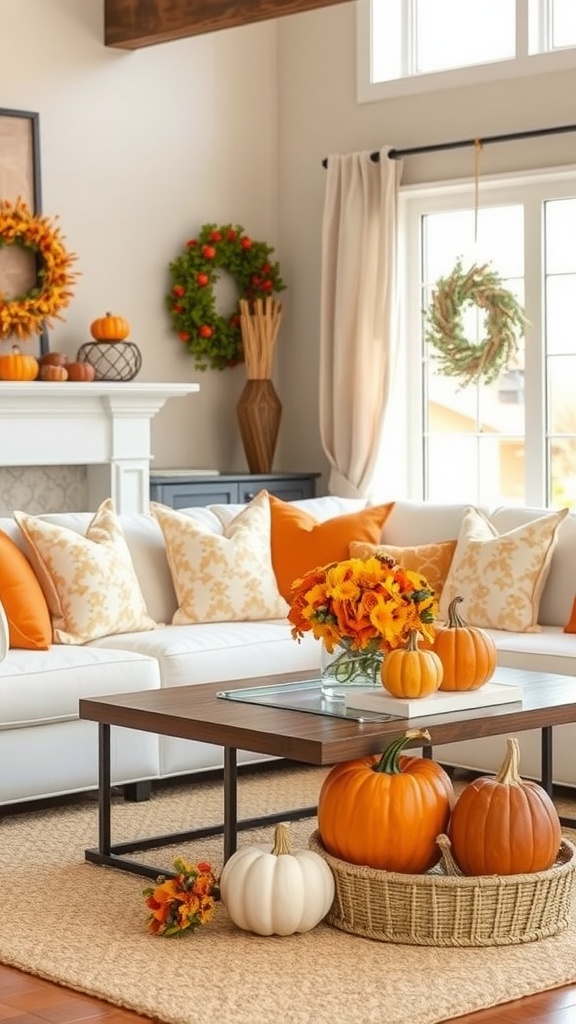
<point>20,178</point>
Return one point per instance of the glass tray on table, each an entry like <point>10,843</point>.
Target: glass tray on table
<point>302,696</point>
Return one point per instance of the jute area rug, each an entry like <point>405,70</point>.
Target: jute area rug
<point>84,926</point>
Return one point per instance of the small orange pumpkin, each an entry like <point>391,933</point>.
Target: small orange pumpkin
<point>81,371</point>
<point>386,811</point>
<point>17,366</point>
<point>410,671</point>
<point>467,653</point>
<point>110,328</point>
<point>51,372</point>
<point>504,825</point>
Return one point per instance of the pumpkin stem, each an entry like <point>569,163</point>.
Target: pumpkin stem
<point>389,762</point>
<point>281,840</point>
<point>509,774</point>
<point>455,620</point>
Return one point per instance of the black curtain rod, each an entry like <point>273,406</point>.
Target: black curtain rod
<point>397,154</point>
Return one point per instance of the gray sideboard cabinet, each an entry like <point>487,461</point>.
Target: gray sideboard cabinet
<point>178,489</point>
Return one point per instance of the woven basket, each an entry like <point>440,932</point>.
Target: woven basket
<point>440,909</point>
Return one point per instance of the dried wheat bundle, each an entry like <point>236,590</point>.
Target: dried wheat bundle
<point>259,325</point>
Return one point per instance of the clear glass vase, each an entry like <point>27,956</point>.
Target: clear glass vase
<point>346,669</point>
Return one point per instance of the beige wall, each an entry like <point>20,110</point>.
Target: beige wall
<point>139,149</point>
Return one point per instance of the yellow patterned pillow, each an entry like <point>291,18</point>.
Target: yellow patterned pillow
<point>431,560</point>
<point>224,577</point>
<point>501,576</point>
<point>89,582</point>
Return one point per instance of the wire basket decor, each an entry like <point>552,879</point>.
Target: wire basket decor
<point>112,360</point>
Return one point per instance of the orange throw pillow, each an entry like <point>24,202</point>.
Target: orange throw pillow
<point>29,623</point>
<point>430,560</point>
<point>300,543</point>
<point>570,626</point>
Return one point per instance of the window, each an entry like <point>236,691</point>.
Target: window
<point>417,45</point>
<point>513,441</point>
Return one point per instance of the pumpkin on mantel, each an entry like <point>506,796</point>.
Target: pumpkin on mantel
<point>18,366</point>
<point>110,328</point>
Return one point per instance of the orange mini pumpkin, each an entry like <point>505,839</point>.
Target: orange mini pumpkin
<point>468,653</point>
<point>386,811</point>
<point>411,672</point>
<point>503,824</point>
<point>17,366</point>
<point>110,328</point>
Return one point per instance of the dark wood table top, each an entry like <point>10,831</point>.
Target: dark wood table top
<point>196,713</point>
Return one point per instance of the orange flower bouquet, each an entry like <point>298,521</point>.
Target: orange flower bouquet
<point>184,902</point>
<point>365,608</point>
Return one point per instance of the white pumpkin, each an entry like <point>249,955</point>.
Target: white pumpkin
<point>274,891</point>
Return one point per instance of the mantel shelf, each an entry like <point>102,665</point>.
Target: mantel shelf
<point>102,425</point>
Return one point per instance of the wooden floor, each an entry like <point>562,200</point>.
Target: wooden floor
<point>29,1000</point>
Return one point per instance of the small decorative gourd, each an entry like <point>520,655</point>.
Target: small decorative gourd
<point>17,366</point>
<point>386,811</point>
<point>503,824</point>
<point>411,671</point>
<point>110,328</point>
<point>275,891</point>
<point>48,371</point>
<point>468,653</point>
<point>81,371</point>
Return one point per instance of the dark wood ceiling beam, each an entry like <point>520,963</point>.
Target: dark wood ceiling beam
<point>132,24</point>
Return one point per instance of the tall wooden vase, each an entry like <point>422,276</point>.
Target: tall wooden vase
<point>259,411</point>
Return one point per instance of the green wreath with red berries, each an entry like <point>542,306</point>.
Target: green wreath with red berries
<point>214,340</point>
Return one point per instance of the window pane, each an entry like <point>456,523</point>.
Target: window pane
<point>561,314</point>
<point>450,33</point>
<point>562,408</point>
<point>563,472</point>
<point>560,218</point>
<point>386,40</point>
<point>563,23</point>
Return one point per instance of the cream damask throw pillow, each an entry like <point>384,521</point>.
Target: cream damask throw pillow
<point>89,582</point>
<point>500,577</point>
<point>224,577</point>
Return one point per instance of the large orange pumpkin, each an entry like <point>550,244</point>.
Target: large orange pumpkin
<point>468,653</point>
<point>504,825</point>
<point>386,811</point>
<point>411,672</point>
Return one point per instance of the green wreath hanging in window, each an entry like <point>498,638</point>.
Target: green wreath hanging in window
<point>504,323</point>
<point>214,340</point>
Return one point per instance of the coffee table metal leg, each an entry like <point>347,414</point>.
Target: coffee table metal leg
<point>230,801</point>
<point>104,790</point>
<point>546,759</point>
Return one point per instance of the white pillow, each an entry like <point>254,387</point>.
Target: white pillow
<point>89,582</point>
<point>4,634</point>
<point>500,577</point>
<point>226,578</point>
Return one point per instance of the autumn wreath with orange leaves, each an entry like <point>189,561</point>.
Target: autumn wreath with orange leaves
<point>25,315</point>
<point>215,340</point>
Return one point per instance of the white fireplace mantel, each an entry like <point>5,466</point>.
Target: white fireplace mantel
<point>104,426</point>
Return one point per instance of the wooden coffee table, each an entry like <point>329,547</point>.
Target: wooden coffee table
<point>196,713</point>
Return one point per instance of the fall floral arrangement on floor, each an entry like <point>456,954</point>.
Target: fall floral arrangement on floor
<point>183,903</point>
<point>370,606</point>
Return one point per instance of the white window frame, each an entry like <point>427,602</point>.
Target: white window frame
<point>522,65</point>
<point>415,201</point>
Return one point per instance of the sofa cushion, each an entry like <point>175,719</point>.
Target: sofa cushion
<point>300,542</point>
<point>89,581</point>
<point>223,651</point>
<point>222,578</point>
<point>429,560</point>
<point>24,603</point>
<point>500,577</point>
<point>43,687</point>
<point>412,523</point>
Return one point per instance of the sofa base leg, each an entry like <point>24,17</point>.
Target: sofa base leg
<point>137,792</point>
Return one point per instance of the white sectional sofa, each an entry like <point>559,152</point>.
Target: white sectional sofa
<point>45,750</point>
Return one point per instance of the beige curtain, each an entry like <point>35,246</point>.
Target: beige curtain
<point>357,314</point>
